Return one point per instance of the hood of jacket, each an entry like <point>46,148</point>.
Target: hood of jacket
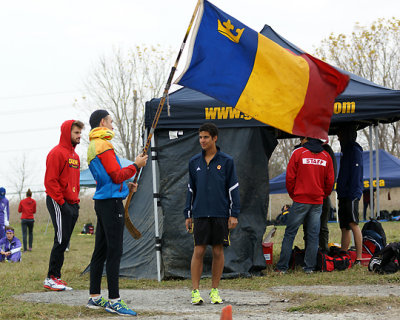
<point>65,138</point>
<point>314,145</point>
<point>2,192</point>
<point>101,133</point>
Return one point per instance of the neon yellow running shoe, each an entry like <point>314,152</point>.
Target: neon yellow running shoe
<point>214,296</point>
<point>196,299</point>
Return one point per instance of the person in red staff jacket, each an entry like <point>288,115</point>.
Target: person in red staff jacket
<point>62,188</point>
<point>309,179</point>
<point>27,208</point>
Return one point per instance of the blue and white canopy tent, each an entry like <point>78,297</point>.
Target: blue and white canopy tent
<point>387,175</point>
<point>389,172</point>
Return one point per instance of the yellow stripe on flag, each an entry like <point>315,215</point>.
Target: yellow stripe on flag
<point>277,87</point>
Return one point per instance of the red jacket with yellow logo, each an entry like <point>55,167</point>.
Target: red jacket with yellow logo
<point>62,169</point>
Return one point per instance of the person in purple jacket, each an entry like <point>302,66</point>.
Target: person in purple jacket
<point>4,212</point>
<point>10,247</point>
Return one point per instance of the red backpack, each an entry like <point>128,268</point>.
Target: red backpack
<point>335,259</point>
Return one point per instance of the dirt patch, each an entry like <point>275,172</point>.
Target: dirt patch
<point>360,291</point>
<point>175,303</point>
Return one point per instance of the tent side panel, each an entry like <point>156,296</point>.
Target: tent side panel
<point>139,256</point>
<point>251,148</point>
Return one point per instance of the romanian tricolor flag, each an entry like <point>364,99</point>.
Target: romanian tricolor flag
<point>239,66</point>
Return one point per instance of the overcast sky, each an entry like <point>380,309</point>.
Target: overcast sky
<point>48,47</point>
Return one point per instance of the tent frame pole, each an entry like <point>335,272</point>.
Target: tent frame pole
<point>337,207</point>
<point>270,207</point>
<point>371,174</point>
<point>378,213</point>
<point>155,206</point>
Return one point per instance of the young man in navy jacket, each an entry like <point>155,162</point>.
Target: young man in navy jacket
<point>212,208</point>
<point>349,188</point>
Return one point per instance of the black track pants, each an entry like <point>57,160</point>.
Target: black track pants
<point>64,218</point>
<point>108,245</point>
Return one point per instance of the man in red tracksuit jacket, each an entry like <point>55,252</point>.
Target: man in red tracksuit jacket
<point>309,179</point>
<point>62,188</point>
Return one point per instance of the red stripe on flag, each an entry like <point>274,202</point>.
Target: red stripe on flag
<point>325,84</point>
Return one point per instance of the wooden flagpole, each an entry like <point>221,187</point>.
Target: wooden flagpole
<point>128,222</point>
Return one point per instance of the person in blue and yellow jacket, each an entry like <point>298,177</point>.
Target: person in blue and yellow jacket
<point>111,189</point>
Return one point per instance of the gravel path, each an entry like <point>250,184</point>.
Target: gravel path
<point>174,304</point>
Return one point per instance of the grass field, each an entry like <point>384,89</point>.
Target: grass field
<point>28,275</point>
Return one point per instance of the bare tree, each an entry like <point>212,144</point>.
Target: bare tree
<point>373,53</point>
<point>281,155</point>
<point>21,175</point>
<point>121,84</point>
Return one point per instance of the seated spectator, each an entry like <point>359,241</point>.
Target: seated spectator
<point>282,217</point>
<point>285,209</point>
<point>10,247</point>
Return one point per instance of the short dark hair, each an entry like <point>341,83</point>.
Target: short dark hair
<point>78,124</point>
<point>96,117</point>
<point>348,133</point>
<point>10,228</point>
<point>29,193</point>
<point>210,127</point>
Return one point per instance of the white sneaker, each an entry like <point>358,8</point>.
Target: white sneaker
<point>64,283</point>
<point>53,284</point>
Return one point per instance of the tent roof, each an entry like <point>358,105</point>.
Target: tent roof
<point>389,172</point>
<point>363,102</point>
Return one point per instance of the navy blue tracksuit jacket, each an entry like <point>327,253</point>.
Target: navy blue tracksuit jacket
<point>213,190</point>
<point>350,180</point>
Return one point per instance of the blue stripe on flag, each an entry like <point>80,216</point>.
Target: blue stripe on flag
<point>220,67</point>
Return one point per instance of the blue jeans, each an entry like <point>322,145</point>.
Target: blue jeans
<point>300,212</point>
